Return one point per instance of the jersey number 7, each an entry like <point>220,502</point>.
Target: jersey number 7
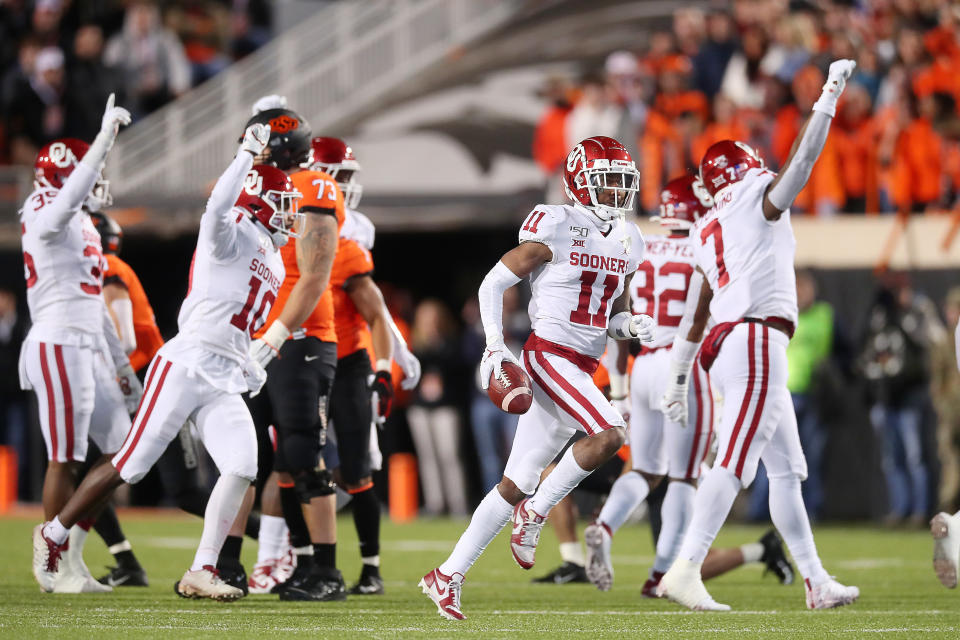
<point>713,229</point>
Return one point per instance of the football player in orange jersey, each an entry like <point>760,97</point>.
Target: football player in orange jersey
<point>300,331</point>
<point>365,337</point>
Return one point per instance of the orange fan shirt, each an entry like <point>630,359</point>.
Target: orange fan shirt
<point>145,328</point>
<point>320,195</point>
<point>352,331</point>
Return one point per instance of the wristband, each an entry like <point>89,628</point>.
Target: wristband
<point>382,365</point>
<point>619,385</point>
<point>276,334</point>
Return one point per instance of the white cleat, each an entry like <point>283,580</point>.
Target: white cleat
<point>265,577</point>
<point>527,525</point>
<point>285,565</point>
<point>46,559</point>
<point>206,583</point>
<point>599,566</point>
<point>445,593</point>
<point>945,530</point>
<point>74,577</point>
<point>682,584</point>
<point>830,594</point>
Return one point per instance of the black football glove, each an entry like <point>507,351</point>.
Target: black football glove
<point>382,385</point>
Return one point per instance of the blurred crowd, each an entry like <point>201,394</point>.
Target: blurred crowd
<point>752,69</point>
<point>60,59</point>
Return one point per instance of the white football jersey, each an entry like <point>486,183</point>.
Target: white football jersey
<point>64,270</point>
<point>573,293</point>
<point>747,259</point>
<point>357,227</point>
<point>234,279</point>
<point>659,287</point>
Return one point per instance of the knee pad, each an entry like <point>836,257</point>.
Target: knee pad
<point>311,484</point>
<point>300,451</point>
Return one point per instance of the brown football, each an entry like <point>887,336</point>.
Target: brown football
<point>512,392</point>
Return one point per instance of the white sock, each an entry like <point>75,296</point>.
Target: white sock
<point>675,514</point>
<point>711,506</point>
<point>789,516</point>
<point>487,521</point>
<point>54,530</point>
<point>78,538</point>
<point>272,538</point>
<point>373,561</point>
<point>752,552</point>
<point>573,552</point>
<point>627,493</point>
<point>562,480</point>
<point>222,509</point>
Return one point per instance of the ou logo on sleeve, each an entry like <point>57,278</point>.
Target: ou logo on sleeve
<point>253,183</point>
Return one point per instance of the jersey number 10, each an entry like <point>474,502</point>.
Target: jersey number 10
<point>242,320</point>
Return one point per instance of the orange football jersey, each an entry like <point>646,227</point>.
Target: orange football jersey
<point>352,331</point>
<point>145,328</point>
<point>320,195</point>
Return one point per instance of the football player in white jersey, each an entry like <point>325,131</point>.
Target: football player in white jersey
<point>744,249</point>
<point>580,259</point>
<point>198,376</point>
<point>72,358</point>
<point>659,448</point>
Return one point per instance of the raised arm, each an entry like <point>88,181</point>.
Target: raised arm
<point>809,143</point>
<point>84,176</point>
<point>218,225</point>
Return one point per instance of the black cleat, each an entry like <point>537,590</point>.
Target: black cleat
<point>233,573</point>
<point>566,573</point>
<point>125,577</point>
<point>368,585</point>
<point>774,558</point>
<point>323,585</point>
<point>299,577</point>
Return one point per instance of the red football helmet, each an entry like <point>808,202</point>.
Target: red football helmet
<point>270,197</point>
<point>600,168</point>
<point>682,202</point>
<point>56,161</point>
<point>334,157</point>
<point>725,163</point>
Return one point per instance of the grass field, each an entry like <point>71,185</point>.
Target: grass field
<point>900,595</point>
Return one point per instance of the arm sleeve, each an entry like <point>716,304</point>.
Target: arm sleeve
<point>123,310</point>
<point>498,280</point>
<point>114,346</point>
<point>69,199</point>
<point>792,179</point>
<point>684,351</point>
<point>218,226</point>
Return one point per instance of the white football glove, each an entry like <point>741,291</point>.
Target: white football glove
<point>255,139</point>
<point>266,347</point>
<point>269,102</point>
<point>410,366</point>
<point>840,71</point>
<point>130,387</point>
<point>622,406</point>
<point>642,327</point>
<point>254,375</point>
<point>493,357</point>
<point>113,117</point>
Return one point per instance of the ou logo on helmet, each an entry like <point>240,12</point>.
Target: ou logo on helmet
<point>706,200</point>
<point>578,156</point>
<point>253,183</point>
<point>61,155</point>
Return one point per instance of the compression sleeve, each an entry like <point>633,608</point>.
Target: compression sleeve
<point>123,310</point>
<point>498,280</point>
<point>218,225</point>
<point>792,179</point>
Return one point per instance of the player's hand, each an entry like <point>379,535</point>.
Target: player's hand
<point>622,406</point>
<point>113,117</point>
<point>255,139</point>
<point>269,102</point>
<point>411,368</point>
<point>642,327</point>
<point>840,71</point>
<point>493,357</point>
<point>254,375</point>
<point>130,387</point>
<point>382,388</point>
<point>674,403</point>
<point>267,347</point>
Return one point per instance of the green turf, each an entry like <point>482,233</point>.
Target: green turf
<point>900,595</point>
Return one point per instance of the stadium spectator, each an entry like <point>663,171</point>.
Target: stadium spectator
<point>895,360</point>
<point>150,57</point>
<point>203,27</point>
<point>550,137</point>
<point>944,384</point>
<point>596,113</point>
<point>36,112</point>
<point>856,136</point>
<point>89,82</point>
<point>742,79</point>
<point>434,414</point>
<point>13,401</point>
<point>251,25</point>
<point>710,62</point>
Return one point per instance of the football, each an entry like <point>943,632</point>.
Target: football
<point>512,392</point>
